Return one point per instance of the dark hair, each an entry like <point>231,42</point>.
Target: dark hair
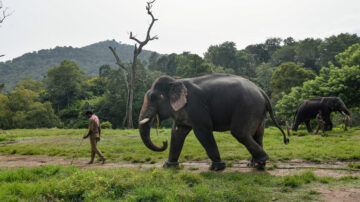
<point>89,112</point>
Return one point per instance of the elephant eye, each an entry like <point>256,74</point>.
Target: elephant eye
<point>154,96</point>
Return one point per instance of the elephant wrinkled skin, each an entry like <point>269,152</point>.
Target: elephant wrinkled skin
<point>218,102</point>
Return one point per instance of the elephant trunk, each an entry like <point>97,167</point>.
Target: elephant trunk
<point>345,110</point>
<point>145,120</point>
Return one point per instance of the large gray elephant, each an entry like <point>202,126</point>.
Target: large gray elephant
<point>218,102</point>
<point>309,108</point>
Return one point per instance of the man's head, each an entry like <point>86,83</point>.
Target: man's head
<point>89,113</point>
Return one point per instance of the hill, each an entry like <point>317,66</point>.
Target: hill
<point>36,64</point>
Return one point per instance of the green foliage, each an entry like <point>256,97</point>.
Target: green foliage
<point>64,84</point>
<point>22,109</point>
<point>106,125</point>
<point>307,53</point>
<point>5,112</point>
<point>286,76</point>
<point>222,55</point>
<point>334,45</point>
<point>332,81</point>
<point>283,54</point>
<point>192,65</point>
<point>263,76</point>
<point>31,84</point>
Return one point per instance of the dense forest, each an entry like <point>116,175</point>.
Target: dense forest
<point>36,64</point>
<point>58,91</point>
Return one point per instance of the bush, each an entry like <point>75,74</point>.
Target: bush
<point>106,125</point>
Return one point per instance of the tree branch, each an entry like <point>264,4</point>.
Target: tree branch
<point>118,61</point>
<point>147,38</point>
<point>134,38</point>
<point>122,67</point>
<point>5,14</point>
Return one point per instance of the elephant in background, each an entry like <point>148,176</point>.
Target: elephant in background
<point>309,108</point>
<point>217,102</point>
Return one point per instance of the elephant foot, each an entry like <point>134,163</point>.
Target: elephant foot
<point>217,166</point>
<point>258,163</point>
<point>169,164</point>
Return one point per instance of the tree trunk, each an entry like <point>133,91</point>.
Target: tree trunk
<point>130,80</point>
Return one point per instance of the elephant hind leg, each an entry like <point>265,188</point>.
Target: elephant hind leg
<point>252,139</point>
<point>259,134</point>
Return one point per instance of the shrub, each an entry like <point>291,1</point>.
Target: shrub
<point>106,125</point>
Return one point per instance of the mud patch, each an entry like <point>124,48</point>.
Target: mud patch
<point>8,142</point>
<point>336,195</point>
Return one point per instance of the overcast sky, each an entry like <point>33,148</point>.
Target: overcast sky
<point>184,25</point>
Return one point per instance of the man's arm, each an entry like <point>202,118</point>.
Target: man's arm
<point>91,128</point>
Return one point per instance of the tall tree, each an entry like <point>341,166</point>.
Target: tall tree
<point>129,75</point>
<point>192,65</point>
<point>64,84</point>
<point>286,76</point>
<point>272,44</point>
<point>223,55</point>
<point>284,54</point>
<point>263,76</point>
<point>334,45</point>
<point>307,53</point>
<point>259,51</point>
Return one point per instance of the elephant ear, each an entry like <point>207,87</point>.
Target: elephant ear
<point>177,95</point>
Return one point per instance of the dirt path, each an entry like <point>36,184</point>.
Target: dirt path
<point>284,168</point>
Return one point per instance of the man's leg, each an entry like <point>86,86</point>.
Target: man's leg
<point>92,152</point>
<point>96,150</point>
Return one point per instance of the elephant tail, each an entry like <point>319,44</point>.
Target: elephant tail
<point>271,112</point>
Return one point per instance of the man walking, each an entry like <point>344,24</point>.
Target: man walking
<point>94,133</point>
<point>320,122</point>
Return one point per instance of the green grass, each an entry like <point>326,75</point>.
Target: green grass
<point>126,145</point>
<point>56,183</point>
<point>74,184</point>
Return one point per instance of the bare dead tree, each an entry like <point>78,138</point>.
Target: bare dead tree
<point>130,74</point>
<point>4,14</point>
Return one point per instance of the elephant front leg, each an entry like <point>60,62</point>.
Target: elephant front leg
<point>308,127</point>
<point>206,138</point>
<point>178,135</point>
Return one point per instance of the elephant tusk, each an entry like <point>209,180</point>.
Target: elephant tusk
<point>144,121</point>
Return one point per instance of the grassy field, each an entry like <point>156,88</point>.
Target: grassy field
<point>126,145</point>
<point>74,184</point>
<point>70,183</point>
